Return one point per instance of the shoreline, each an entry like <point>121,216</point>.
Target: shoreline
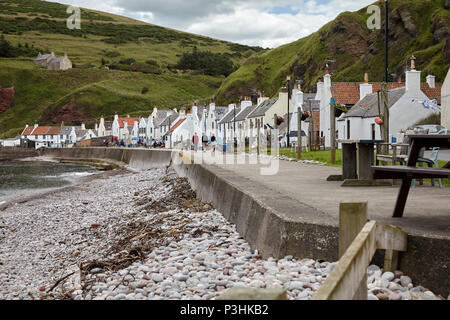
<point>31,195</point>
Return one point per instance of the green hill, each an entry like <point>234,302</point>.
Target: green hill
<point>419,27</point>
<point>89,90</point>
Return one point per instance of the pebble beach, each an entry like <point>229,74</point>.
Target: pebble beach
<point>144,235</point>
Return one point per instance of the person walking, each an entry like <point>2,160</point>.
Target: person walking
<point>205,141</point>
<point>213,143</point>
<point>195,141</point>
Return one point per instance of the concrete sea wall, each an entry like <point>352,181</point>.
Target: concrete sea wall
<point>12,153</point>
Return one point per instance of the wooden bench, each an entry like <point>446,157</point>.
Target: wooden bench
<point>402,172</point>
<point>410,172</point>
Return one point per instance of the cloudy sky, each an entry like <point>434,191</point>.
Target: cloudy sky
<point>265,23</point>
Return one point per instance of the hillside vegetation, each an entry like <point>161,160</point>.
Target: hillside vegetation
<point>142,59</point>
<point>419,27</point>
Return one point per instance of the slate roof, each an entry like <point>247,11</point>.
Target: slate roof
<point>108,125</point>
<point>220,112</point>
<point>230,116</point>
<point>262,108</point>
<point>65,131</point>
<point>368,107</point>
<point>244,113</point>
<point>171,118</point>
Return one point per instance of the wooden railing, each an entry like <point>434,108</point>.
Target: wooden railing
<point>358,241</point>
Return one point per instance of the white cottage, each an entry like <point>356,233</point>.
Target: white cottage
<point>408,105</point>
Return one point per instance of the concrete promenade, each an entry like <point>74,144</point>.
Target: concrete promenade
<point>427,210</point>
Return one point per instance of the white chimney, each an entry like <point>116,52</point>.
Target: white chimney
<point>175,110</point>
<point>246,103</point>
<point>413,77</point>
<point>230,107</point>
<point>319,91</point>
<point>182,112</point>
<point>96,126</point>
<point>297,96</point>
<point>212,107</point>
<point>327,80</point>
<point>261,99</point>
<point>195,110</point>
<point>83,127</point>
<point>431,80</point>
<point>36,125</point>
<point>365,88</point>
<point>413,81</point>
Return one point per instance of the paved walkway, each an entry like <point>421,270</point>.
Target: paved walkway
<point>427,210</point>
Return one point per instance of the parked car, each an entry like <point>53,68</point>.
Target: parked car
<point>433,128</point>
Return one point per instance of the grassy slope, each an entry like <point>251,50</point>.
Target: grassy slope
<point>95,91</point>
<point>268,70</point>
<point>40,92</point>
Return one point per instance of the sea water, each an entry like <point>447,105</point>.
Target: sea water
<point>21,178</point>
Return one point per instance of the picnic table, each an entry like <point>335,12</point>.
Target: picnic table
<point>410,171</point>
<point>357,160</point>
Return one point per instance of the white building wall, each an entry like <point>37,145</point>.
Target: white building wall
<point>445,120</point>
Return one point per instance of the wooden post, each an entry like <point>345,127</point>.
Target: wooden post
<point>385,118</point>
<point>258,125</point>
<point>333,132</point>
<point>352,218</point>
<point>312,145</point>
<point>390,260</point>
<point>299,134</point>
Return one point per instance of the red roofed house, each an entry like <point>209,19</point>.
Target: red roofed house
<point>408,104</point>
<point>122,128</point>
<point>43,136</point>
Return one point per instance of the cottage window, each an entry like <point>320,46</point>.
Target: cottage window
<point>373,131</point>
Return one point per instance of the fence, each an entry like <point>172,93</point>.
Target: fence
<point>358,241</point>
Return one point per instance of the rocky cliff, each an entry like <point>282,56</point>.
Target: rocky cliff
<point>351,49</point>
<point>6,98</point>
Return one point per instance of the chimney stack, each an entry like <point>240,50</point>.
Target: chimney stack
<point>431,80</point>
<point>365,88</point>
<point>413,78</point>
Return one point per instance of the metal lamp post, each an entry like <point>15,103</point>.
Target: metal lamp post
<point>288,78</point>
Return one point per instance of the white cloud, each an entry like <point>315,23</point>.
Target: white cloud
<point>251,22</point>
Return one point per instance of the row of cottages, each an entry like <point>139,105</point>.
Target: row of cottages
<point>409,103</point>
<point>57,137</point>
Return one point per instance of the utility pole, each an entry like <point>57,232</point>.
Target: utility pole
<point>384,88</point>
<point>299,134</point>
<point>288,126</point>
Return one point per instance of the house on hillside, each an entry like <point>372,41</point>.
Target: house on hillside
<point>51,62</point>
<point>408,105</point>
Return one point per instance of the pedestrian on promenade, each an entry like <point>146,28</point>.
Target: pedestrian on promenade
<point>214,143</point>
<point>204,142</point>
<point>195,141</point>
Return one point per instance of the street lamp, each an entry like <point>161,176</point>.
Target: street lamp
<point>288,78</point>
